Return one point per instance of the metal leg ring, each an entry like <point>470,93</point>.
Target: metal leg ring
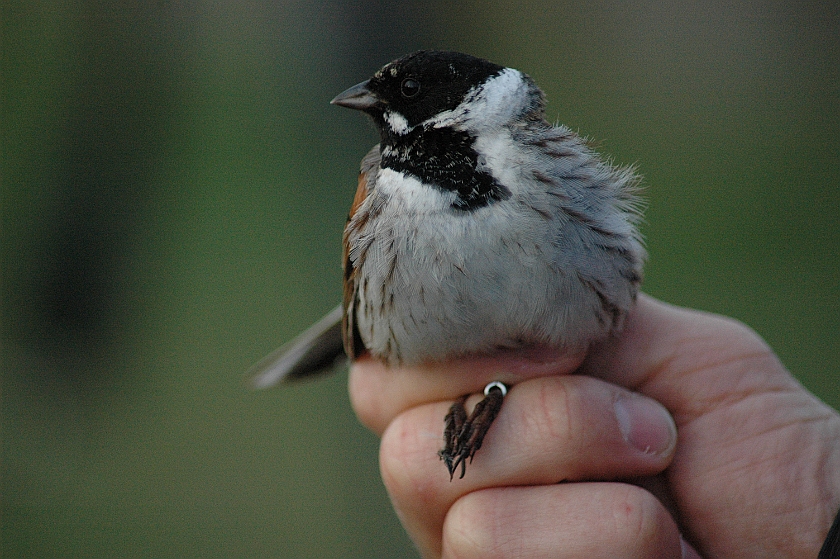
<point>497,385</point>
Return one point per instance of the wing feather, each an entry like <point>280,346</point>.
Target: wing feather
<point>353,344</point>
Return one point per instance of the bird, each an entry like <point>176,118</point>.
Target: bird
<point>477,227</point>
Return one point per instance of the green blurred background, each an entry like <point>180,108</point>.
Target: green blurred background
<point>174,186</point>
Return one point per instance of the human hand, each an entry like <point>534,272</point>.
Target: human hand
<point>756,470</point>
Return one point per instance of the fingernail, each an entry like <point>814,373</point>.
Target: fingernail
<point>645,424</point>
<point>688,552</point>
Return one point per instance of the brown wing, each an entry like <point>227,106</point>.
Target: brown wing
<point>353,345</point>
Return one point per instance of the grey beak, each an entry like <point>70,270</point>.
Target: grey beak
<point>358,97</point>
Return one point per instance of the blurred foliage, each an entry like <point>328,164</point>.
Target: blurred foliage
<point>174,186</point>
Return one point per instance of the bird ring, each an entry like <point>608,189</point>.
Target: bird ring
<point>497,385</point>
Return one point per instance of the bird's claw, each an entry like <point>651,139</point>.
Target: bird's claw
<point>462,435</point>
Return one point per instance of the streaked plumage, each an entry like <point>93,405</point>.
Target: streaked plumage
<point>476,225</point>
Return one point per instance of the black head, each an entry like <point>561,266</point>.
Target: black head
<point>418,86</point>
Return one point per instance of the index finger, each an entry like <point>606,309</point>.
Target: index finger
<point>379,393</point>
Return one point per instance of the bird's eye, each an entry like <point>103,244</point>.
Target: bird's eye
<point>410,88</point>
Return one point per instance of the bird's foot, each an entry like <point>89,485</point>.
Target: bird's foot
<point>462,435</point>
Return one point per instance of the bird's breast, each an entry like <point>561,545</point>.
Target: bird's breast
<point>433,282</point>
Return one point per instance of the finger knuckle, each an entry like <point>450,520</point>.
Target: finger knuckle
<point>366,401</point>
<point>400,458</point>
<point>474,527</point>
<point>744,346</point>
<point>551,419</point>
<point>640,521</point>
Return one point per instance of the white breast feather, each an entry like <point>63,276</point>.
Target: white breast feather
<point>465,283</point>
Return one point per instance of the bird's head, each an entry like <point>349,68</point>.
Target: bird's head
<point>433,89</point>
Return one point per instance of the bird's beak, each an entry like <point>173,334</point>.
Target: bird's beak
<point>358,97</point>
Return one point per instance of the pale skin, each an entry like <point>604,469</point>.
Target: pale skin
<point>744,463</point>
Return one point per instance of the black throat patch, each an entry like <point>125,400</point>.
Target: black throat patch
<point>444,158</point>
